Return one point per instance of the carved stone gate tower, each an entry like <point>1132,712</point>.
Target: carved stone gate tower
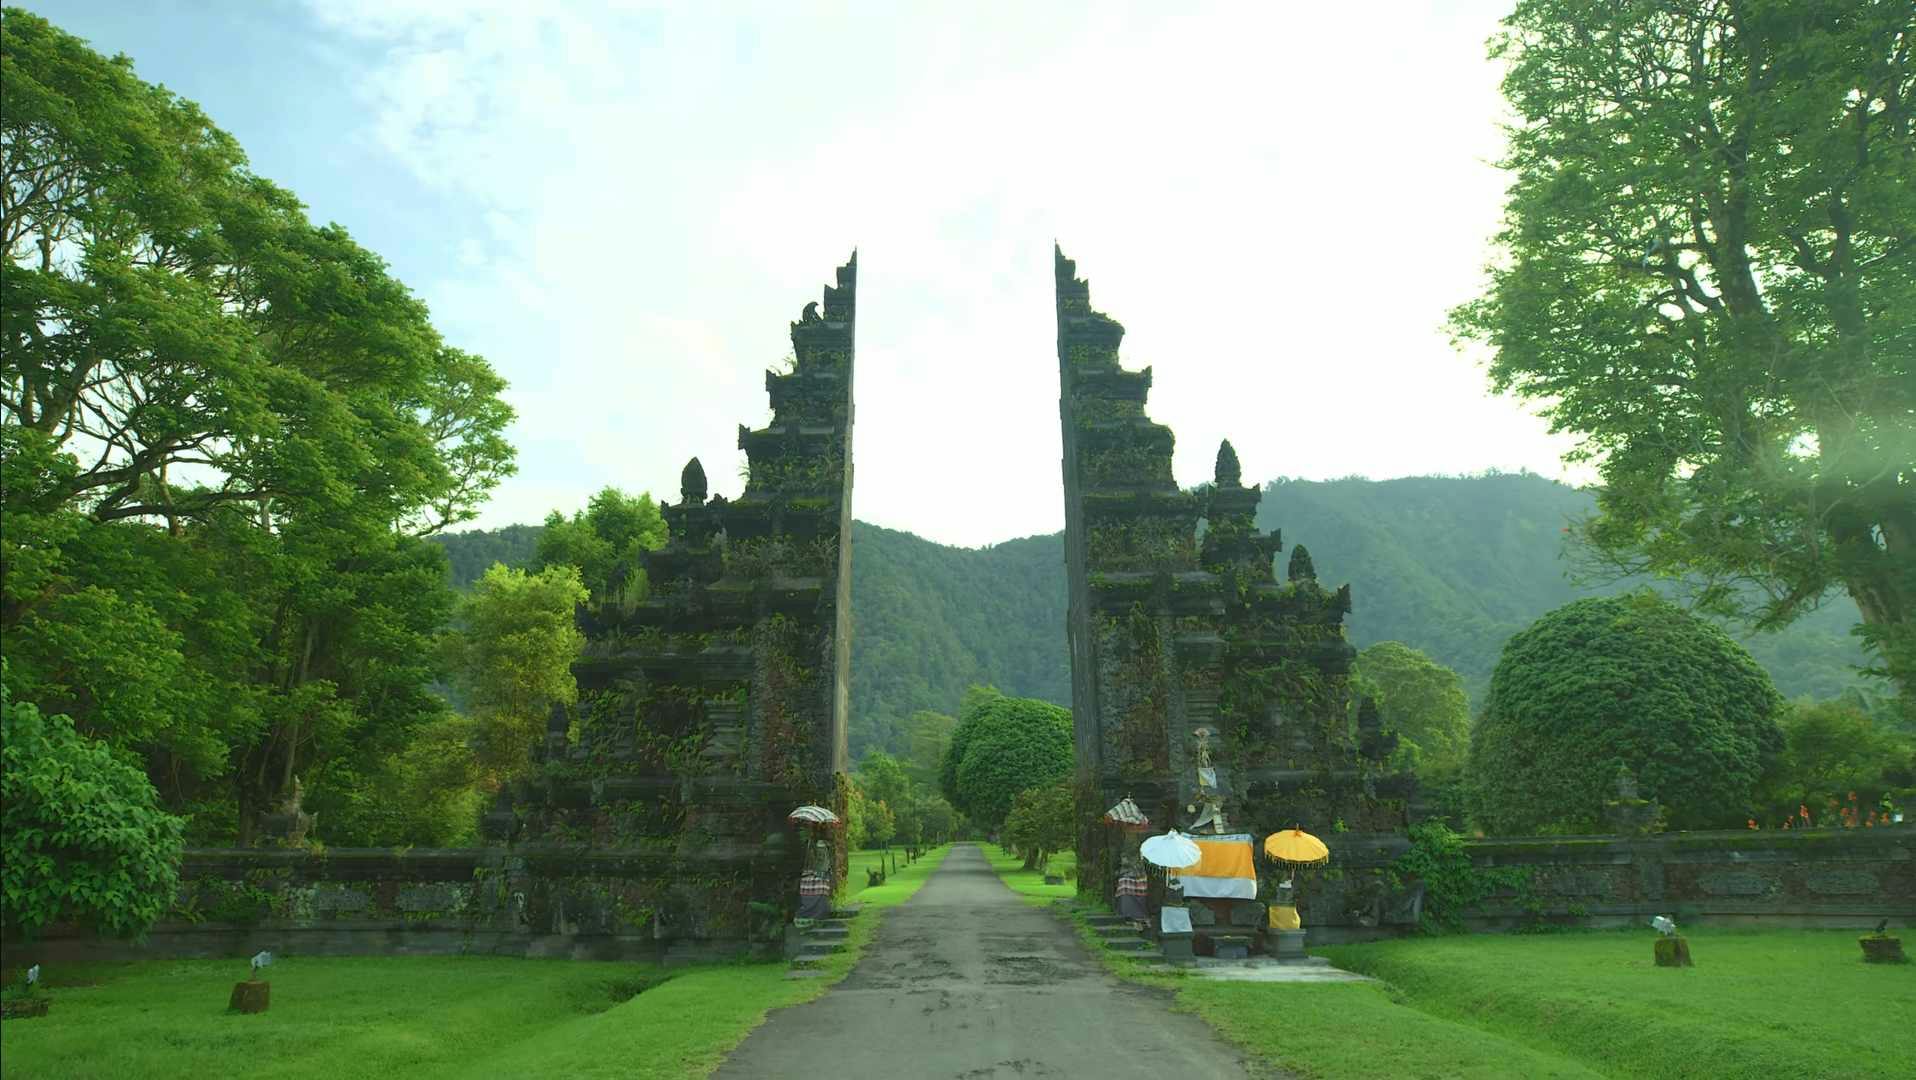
<point>1174,629</point>
<point>656,817</point>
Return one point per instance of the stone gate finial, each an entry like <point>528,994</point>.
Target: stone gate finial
<point>1301,568</point>
<point>1229,473</point>
<point>692,483</point>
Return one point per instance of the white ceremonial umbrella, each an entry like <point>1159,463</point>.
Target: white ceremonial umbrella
<point>817,815</point>
<point>1172,850</point>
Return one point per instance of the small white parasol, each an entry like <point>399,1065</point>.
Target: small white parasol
<point>817,815</point>
<point>1172,850</point>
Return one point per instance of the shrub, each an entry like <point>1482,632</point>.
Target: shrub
<point>1613,682</point>
<point>82,837</point>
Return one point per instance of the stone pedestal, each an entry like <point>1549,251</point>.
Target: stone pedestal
<point>1882,950</point>
<point>1673,952</point>
<point>1231,947</point>
<point>251,996</point>
<point>1176,946</point>
<point>1287,944</point>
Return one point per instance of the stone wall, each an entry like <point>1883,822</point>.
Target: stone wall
<point>1832,878</point>
<point>380,902</point>
<point>386,902</point>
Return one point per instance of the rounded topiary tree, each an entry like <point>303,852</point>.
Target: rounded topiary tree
<point>82,837</point>
<point>1002,746</point>
<point>1617,682</point>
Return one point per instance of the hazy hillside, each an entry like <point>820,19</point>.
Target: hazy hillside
<point>1452,566</point>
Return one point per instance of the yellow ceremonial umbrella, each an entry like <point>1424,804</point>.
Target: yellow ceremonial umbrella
<point>1296,846</point>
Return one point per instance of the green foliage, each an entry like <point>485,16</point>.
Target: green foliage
<point>1423,702</point>
<point>1832,750</point>
<point>880,823</point>
<point>1705,274</point>
<point>927,735</point>
<point>514,658</point>
<point>1043,822</point>
<point>224,431</point>
<point>1452,883</point>
<point>1002,746</point>
<point>82,837</point>
<point>605,541</point>
<point>1621,682</point>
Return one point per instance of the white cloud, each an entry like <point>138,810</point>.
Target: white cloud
<point>1279,202</point>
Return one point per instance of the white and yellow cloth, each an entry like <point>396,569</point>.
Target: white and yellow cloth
<point>1224,870</point>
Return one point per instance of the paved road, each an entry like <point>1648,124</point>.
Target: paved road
<point>967,981</point>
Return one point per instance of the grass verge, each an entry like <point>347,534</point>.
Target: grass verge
<point>418,1016</point>
<point>1029,884</point>
<point>1760,1003</point>
<point>1767,1003</point>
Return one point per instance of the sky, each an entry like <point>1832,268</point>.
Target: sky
<point>623,205</point>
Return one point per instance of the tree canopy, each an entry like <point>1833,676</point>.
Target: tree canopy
<point>605,541</point>
<point>1001,746</point>
<point>1708,273</point>
<point>1624,682</point>
<point>225,430</point>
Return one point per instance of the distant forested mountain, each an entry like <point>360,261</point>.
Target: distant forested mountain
<point>1455,565</point>
<point>1449,565</point>
<point>473,552</point>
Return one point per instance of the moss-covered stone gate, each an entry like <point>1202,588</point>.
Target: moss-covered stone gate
<point>1180,631</point>
<point>712,708</point>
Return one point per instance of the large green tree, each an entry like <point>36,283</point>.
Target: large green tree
<point>1002,746</point>
<point>1621,682</point>
<point>225,431</point>
<point>1708,273</point>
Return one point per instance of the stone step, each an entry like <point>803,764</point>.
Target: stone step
<point>1116,930</point>
<point>828,933</point>
<point>846,912</point>
<point>1106,920</point>
<point>820,948</point>
<point>1130,944</point>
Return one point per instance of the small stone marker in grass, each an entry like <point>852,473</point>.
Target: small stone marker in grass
<point>254,994</point>
<point>1671,950</point>
<point>1880,948</point>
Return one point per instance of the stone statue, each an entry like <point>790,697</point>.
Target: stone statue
<point>811,313</point>
<point>291,824</point>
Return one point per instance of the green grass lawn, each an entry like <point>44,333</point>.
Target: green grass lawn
<point>417,1016</point>
<point>1030,883</point>
<point>1766,1003</point>
<point>1770,1003</point>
